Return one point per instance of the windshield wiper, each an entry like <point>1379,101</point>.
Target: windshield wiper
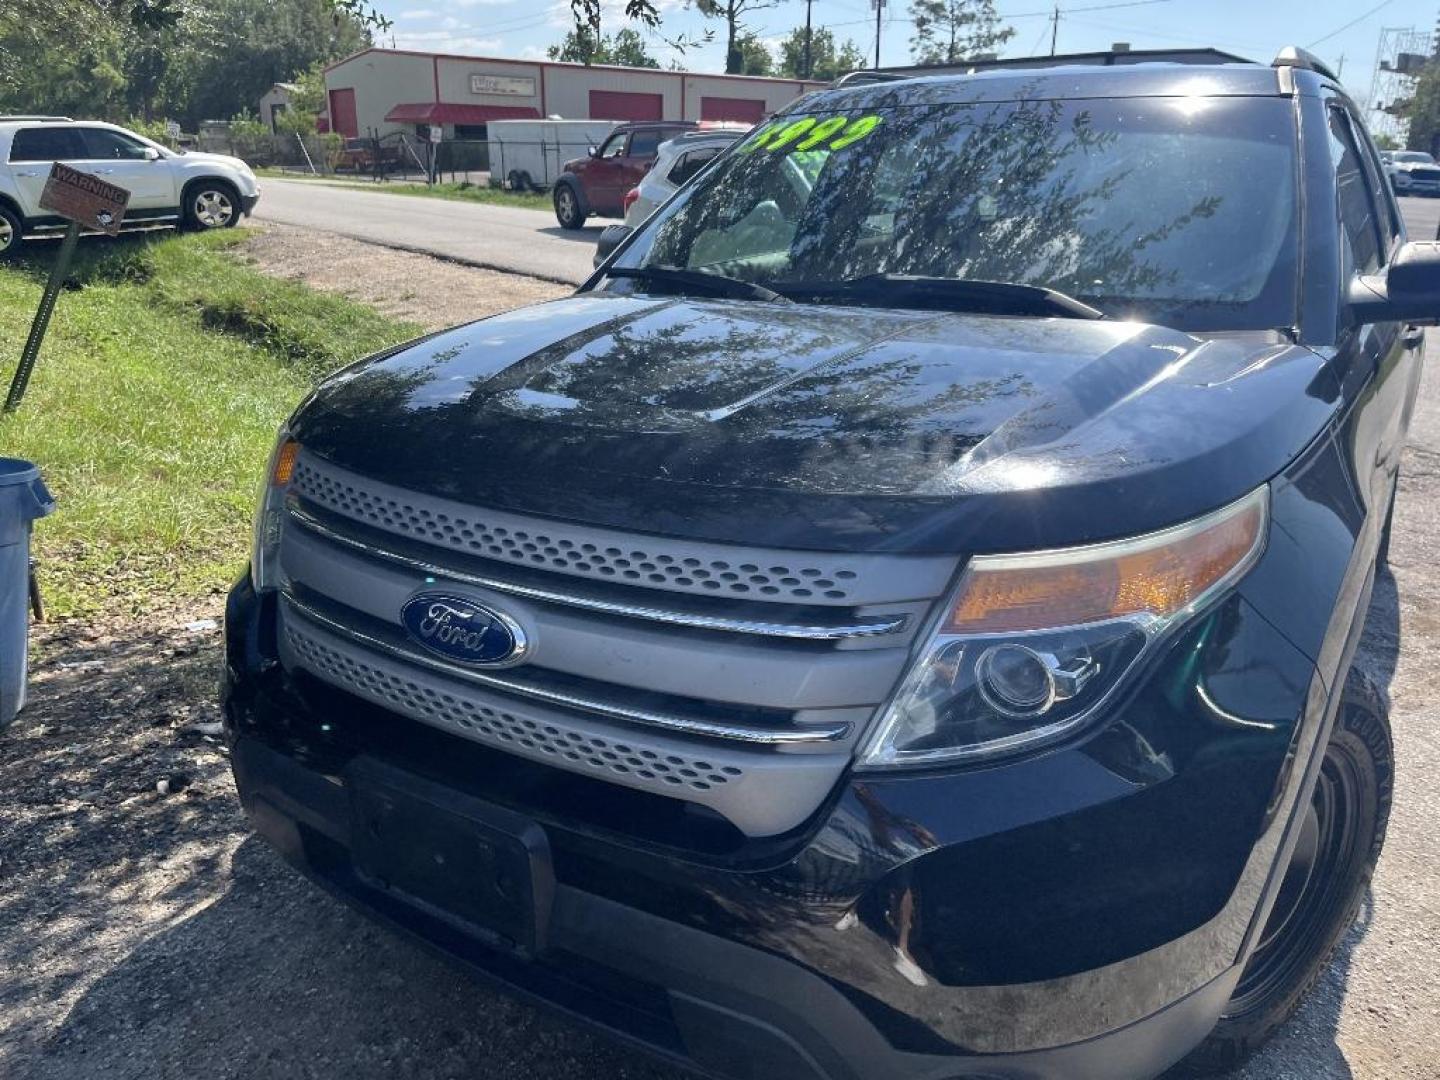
<point>698,279</point>
<point>962,294</point>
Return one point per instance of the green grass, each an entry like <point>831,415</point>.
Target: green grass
<point>167,368</point>
<point>462,191</point>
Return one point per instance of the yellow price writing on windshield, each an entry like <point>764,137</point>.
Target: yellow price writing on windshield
<point>812,133</point>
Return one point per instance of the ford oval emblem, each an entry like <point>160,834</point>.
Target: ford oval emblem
<point>463,630</point>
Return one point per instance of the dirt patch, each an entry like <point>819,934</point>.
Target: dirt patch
<point>118,809</point>
<point>403,285</point>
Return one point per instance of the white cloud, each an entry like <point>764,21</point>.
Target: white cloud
<point>417,13</point>
<point>444,41</point>
<point>533,52</point>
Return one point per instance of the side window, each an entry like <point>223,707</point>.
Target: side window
<point>691,163</point>
<point>47,144</point>
<point>107,145</point>
<point>1391,225</point>
<point>1358,225</point>
<point>614,146</point>
<point>644,143</point>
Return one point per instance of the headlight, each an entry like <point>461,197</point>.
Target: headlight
<point>270,512</point>
<point>1031,645</point>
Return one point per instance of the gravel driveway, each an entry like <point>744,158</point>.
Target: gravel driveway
<point>146,935</point>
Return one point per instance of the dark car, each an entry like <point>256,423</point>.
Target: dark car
<point>895,620</point>
<point>597,184</point>
<point>364,155</point>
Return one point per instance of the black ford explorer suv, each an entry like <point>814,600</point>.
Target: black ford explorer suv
<point>895,620</point>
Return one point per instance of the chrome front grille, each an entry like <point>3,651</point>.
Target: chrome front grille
<point>512,683</point>
<point>421,563</point>
<point>501,726</point>
<point>695,567</point>
<point>760,793</point>
<point>627,673</point>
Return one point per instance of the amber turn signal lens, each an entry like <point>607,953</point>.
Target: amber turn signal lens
<point>1156,575</point>
<point>284,466</point>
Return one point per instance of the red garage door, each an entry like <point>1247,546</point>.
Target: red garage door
<point>342,113</point>
<point>618,105</point>
<point>744,110</point>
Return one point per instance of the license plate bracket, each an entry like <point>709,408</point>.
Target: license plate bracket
<point>479,867</point>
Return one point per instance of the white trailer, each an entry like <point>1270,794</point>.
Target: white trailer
<point>532,153</point>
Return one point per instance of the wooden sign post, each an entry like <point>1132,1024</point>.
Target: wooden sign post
<point>90,203</point>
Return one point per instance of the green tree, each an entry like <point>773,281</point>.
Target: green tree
<point>187,59</point>
<point>827,63</point>
<point>733,13</point>
<point>755,56</point>
<point>948,31</point>
<point>307,102</point>
<point>625,47</point>
<point>1422,111</point>
<point>237,49</point>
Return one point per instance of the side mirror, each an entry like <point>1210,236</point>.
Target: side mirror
<point>593,151</point>
<point>151,154</point>
<point>1408,290</point>
<point>610,239</point>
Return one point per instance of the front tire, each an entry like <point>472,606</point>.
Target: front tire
<point>12,237</point>
<point>211,205</point>
<point>568,210</point>
<point>1341,834</point>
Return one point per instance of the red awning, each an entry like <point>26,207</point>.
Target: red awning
<point>443,112</point>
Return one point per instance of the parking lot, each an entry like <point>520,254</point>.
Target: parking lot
<point>148,935</point>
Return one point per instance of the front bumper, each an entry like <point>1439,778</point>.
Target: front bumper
<point>247,203</point>
<point>1078,915</point>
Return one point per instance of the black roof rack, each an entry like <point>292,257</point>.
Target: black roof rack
<point>1292,56</point>
<point>868,75</point>
<point>35,119</point>
<point>1107,58</point>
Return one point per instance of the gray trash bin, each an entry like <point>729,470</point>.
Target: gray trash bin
<point>23,498</point>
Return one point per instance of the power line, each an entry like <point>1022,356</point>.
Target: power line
<point>1047,14</point>
<point>1352,22</point>
<point>1143,31</point>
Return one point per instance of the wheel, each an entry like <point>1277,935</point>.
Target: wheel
<point>11,229</point>
<point>210,205</point>
<point>568,210</point>
<point>1341,834</point>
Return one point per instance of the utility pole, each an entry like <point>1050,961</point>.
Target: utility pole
<point>1054,27</point>
<point>879,9</point>
<point>1340,66</point>
<point>809,66</point>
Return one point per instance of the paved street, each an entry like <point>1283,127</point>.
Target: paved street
<point>496,237</point>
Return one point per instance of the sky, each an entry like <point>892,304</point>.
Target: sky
<point>1343,32</point>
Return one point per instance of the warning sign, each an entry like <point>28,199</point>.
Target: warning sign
<point>84,198</point>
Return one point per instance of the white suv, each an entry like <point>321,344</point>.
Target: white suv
<point>678,160</point>
<point>200,191</point>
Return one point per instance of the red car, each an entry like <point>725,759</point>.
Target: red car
<point>597,184</point>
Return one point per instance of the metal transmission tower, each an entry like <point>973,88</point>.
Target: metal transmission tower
<point>1402,53</point>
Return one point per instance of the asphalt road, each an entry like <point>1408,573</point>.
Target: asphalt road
<point>496,237</point>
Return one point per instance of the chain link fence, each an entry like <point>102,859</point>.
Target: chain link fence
<point>399,156</point>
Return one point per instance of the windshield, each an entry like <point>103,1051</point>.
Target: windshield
<point>1172,210</point>
<point>1413,156</point>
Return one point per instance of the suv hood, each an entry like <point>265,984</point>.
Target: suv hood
<point>818,426</point>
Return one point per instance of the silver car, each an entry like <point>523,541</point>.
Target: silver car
<point>1412,172</point>
<point>678,160</point>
